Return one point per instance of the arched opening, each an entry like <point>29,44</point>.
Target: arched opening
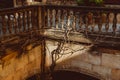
<point>66,75</point>
<point>70,75</point>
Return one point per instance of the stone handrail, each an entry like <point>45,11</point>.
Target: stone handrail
<point>18,20</point>
<point>101,24</point>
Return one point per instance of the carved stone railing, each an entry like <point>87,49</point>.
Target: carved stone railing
<point>18,20</point>
<point>100,24</point>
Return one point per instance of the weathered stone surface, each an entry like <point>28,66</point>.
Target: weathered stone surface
<point>22,67</point>
<point>87,57</point>
<point>94,59</point>
<point>1,67</point>
<point>81,56</point>
<point>37,51</point>
<point>31,56</point>
<point>101,70</point>
<point>38,63</point>
<point>25,73</point>
<point>18,75</point>
<point>7,70</point>
<point>10,54</point>
<point>115,74</point>
<point>111,60</point>
<point>21,62</point>
<point>31,67</point>
<point>29,47</point>
<point>65,64</point>
<point>9,77</point>
<point>81,65</point>
<point>73,36</point>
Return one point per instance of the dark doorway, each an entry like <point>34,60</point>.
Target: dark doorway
<point>65,75</point>
<point>69,75</point>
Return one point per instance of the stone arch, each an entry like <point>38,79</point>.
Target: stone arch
<point>80,70</point>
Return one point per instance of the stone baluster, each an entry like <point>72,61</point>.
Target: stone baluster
<point>24,21</point>
<point>90,21</point>
<point>86,23</point>
<point>104,21</point>
<point>9,24</point>
<point>74,23</point>
<point>114,23</point>
<point>53,18</point>
<point>59,18</point>
<point>36,19</point>
<point>4,26</point>
<point>117,30</point>
<point>56,19</point>
<point>107,23</point>
<point>99,21</point>
<point>48,18</point>
<point>19,22</point>
<point>63,20</point>
<point>68,20</point>
<point>81,22</point>
<point>15,23</point>
<point>111,18</point>
<point>28,19</point>
<point>32,19</point>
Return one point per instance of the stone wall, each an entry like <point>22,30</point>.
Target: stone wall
<point>20,68</point>
<point>105,66</point>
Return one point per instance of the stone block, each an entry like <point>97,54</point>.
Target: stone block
<point>25,73</point>
<point>31,56</point>
<point>1,78</point>
<point>31,67</point>
<point>9,77</point>
<point>115,74</point>
<point>18,75</point>
<point>87,57</point>
<point>37,51</point>
<point>94,59</point>
<point>81,65</point>
<point>29,47</point>
<point>21,62</point>
<point>38,63</point>
<point>1,67</point>
<point>101,70</point>
<point>10,54</point>
<point>7,70</point>
<point>82,56</point>
<point>64,64</point>
<point>111,60</point>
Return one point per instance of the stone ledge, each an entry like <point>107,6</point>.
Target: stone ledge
<point>104,71</point>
